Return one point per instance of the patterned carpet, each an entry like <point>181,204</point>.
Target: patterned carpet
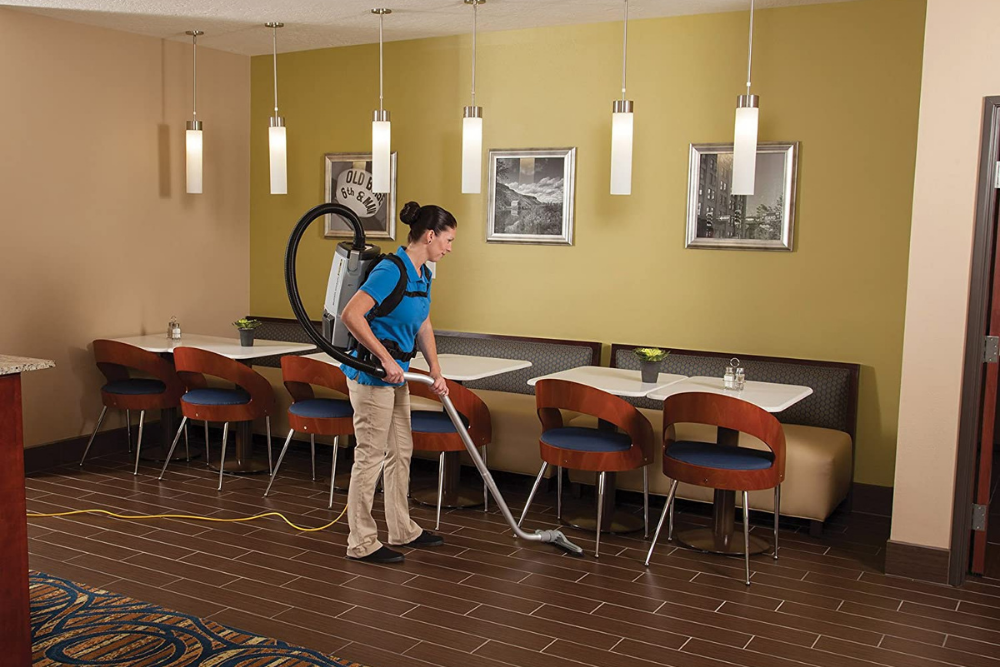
<point>72,624</point>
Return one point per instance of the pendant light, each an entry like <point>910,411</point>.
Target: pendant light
<point>381,129</point>
<point>194,134</point>
<point>276,140</point>
<point>621,131</point>
<point>472,125</point>
<point>745,135</point>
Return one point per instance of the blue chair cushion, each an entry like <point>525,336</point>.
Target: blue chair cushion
<point>135,387</point>
<point>322,408</point>
<point>586,439</point>
<point>710,455</point>
<point>432,421</point>
<point>216,396</point>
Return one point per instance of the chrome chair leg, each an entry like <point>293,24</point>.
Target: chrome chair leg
<point>208,452</point>
<point>777,514</point>
<point>746,534</point>
<point>437,523</point>
<point>670,529</point>
<point>128,429</point>
<point>281,457</point>
<point>559,475</point>
<point>531,496</point>
<point>333,468</point>
<point>187,444</point>
<point>93,435</point>
<point>138,442</point>
<point>486,491</point>
<point>667,510</point>
<point>600,510</point>
<point>222,460</point>
<point>270,459</point>
<point>173,446</point>
<point>645,502</point>
<point>312,451</point>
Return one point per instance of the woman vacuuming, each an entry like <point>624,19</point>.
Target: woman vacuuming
<point>382,405</point>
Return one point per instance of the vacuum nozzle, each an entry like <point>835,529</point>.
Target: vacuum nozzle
<point>556,538</point>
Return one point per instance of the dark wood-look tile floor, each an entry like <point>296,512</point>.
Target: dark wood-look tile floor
<point>487,599</point>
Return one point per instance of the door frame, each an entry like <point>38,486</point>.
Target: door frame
<point>978,319</point>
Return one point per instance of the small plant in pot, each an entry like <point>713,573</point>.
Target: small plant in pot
<point>246,325</point>
<point>650,361</point>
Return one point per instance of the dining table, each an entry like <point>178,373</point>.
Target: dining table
<point>625,383</point>
<point>457,368</point>
<point>242,462</point>
<point>773,397</point>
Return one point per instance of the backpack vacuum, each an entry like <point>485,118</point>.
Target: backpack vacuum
<point>352,262</point>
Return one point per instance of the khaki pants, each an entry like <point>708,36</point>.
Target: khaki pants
<point>382,429</point>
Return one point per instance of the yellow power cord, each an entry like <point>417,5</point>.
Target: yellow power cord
<point>33,515</point>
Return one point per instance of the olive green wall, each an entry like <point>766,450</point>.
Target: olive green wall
<point>843,79</point>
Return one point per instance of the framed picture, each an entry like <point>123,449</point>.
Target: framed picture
<point>762,221</point>
<point>349,182</point>
<point>531,196</point>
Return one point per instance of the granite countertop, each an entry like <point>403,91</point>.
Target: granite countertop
<point>10,365</point>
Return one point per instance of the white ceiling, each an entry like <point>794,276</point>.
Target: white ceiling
<point>237,25</point>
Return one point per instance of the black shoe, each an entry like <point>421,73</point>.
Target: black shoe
<point>425,539</point>
<point>383,555</point>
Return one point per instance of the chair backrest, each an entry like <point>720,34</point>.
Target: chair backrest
<point>725,412</point>
<point>114,358</point>
<point>193,364</point>
<point>551,396</point>
<point>468,404</point>
<point>300,374</point>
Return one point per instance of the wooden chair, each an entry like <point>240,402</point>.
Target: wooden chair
<point>722,466</point>
<point>600,450</point>
<point>315,416</point>
<point>251,398</point>
<point>433,431</point>
<point>162,391</point>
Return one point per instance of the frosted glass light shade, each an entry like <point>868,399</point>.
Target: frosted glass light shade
<point>279,160</point>
<point>745,150</point>
<point>381,155</point>
<point>621,153</point>
<point>194,155</point>
<point>472,155</point>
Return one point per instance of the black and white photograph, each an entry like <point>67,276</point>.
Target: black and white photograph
<point>531,196</point>
<point>716,218</point>
<point>349,182</point>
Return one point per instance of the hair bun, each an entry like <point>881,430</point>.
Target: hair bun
<point>410,212</point>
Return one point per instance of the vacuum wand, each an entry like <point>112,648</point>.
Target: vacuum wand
<point>554,537</point>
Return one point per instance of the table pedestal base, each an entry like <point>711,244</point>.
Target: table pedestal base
<point>583,516</point>
<point>246,467</point>
<point>705,539</point>
<point>464,495</point>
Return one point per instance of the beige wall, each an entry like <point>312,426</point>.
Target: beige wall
<point>97,236</point>
<point>960,69</point>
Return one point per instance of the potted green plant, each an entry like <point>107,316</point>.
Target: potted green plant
<point>246,325</point>
<point>650,360</point>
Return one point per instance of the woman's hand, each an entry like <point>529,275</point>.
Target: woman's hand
<point>440,386</point>
<point>393,372</point>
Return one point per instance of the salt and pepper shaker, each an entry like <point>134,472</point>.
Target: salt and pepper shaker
<point>741,378</point>
<point>729,379</point>
<point>174,329</point>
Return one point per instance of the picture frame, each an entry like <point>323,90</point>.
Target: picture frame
<point>762,221</point>
<point>530,197</point>
<point>348,181</point>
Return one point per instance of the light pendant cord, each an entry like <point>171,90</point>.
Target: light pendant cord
<point>141,517</point>
<point>625,50</point>
<point>475,20</point>
<point>380,17</point>
<point>274,28</point>
<point>194,72</point>
<point>749,47</point>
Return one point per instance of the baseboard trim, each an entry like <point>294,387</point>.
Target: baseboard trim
<point>54,454</point>
<point>871,499</point>
<point>914,561</point>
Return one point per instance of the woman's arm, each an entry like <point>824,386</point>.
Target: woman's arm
<point>427,345</point>
<point>353,316</point>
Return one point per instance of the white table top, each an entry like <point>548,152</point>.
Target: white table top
<point>767,395</point>
<point>617,381</point>
<point>456,367</point>
<point>227,347</point>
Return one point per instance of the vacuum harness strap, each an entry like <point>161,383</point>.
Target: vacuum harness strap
<point>389,304</point>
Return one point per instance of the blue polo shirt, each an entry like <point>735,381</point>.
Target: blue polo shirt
<point>402,324</point>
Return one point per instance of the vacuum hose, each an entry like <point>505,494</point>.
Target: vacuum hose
<point>554,537</point>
